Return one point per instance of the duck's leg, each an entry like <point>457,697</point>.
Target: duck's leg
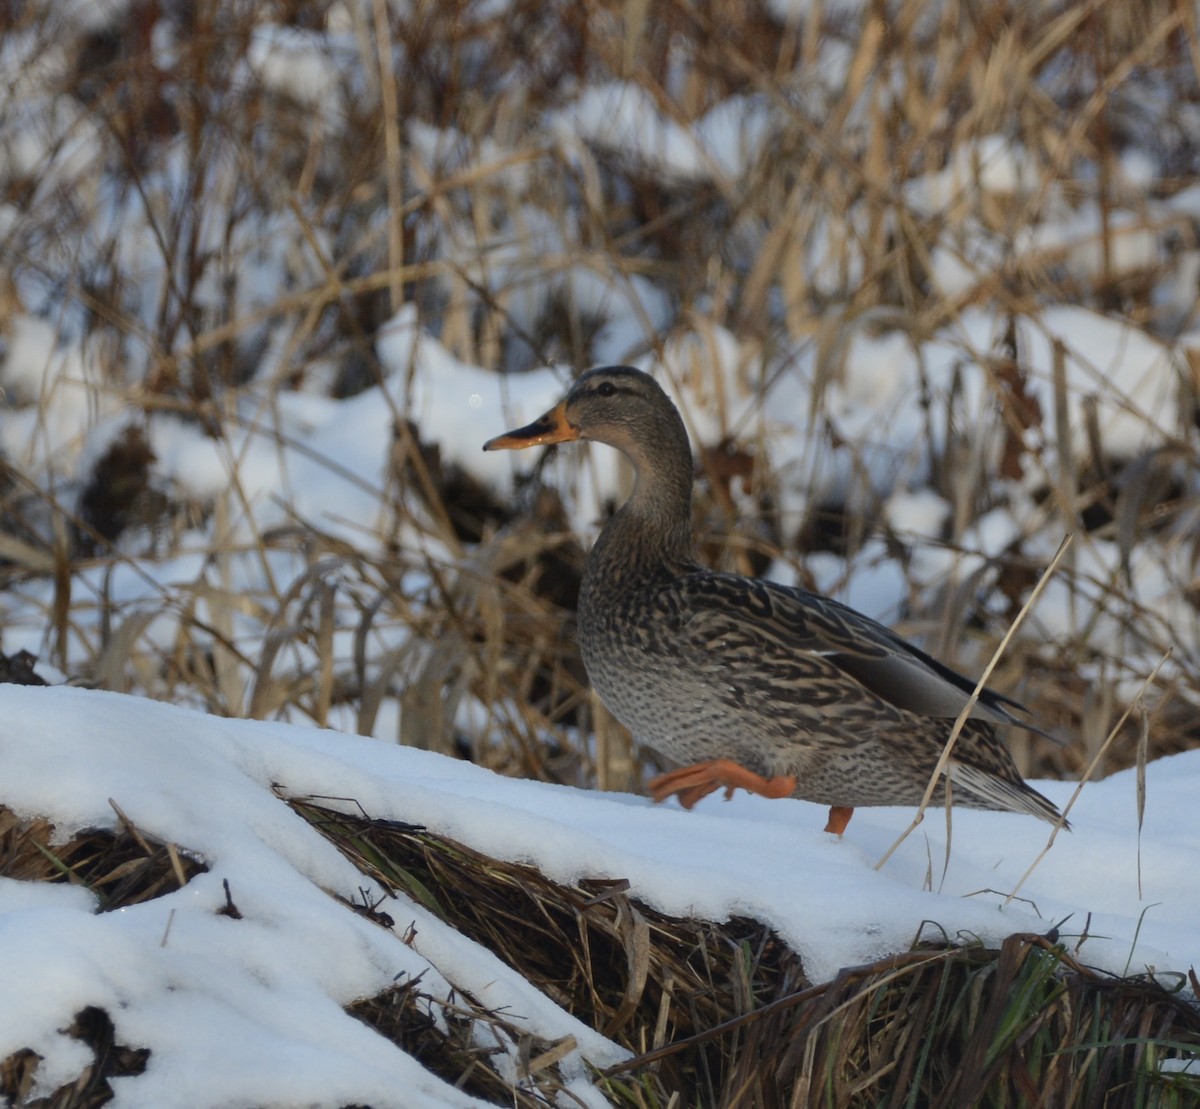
<point>839,817</point>
<point>691,783</point>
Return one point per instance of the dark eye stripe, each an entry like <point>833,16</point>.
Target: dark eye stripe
<point>609,389</point>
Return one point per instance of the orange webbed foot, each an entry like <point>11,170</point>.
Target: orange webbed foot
<point>691,783</point>
<point>839,817</point>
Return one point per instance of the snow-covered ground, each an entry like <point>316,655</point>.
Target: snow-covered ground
<point>265,994</point>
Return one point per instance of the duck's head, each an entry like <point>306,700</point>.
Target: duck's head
<point>617,405</point>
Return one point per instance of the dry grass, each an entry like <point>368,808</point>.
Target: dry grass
<point>632,973</point>
<point>821,242</point>
<point>119,869</point>
<point>722,1014</point>
<point>94,1028</point>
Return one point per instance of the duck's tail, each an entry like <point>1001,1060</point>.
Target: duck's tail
<point>995,792</point>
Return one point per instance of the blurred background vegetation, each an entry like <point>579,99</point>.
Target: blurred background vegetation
<point>978,215</point>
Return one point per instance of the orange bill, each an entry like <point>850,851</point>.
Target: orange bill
<point>550,428</point>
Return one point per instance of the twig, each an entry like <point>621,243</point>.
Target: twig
<point>391,140</point>
<point>1088,773</point>
<point>943,760</point>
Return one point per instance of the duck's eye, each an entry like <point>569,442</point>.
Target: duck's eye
<point>606,389</point>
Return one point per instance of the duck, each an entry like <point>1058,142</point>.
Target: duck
<point>743,683</point>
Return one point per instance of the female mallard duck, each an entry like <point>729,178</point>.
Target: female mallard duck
<point>749,683</point>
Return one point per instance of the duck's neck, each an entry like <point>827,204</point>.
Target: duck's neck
<point>654,527</point>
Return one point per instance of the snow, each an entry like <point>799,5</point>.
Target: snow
<point>265,993</point>
<point>989,164</point>
<point>733,134</point>
<point>55,391</point>
<point>920,512</point>
<point>621,116</point>
<point>299,64</point>
<point>456,404</point>
<point>1132,377</point>
<point>796,9</point>
<point>724,143</point>
<point>874,583</point>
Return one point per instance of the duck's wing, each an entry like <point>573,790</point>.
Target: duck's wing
<point>728,613</point>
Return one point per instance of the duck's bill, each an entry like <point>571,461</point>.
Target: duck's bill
<point>550,428</point>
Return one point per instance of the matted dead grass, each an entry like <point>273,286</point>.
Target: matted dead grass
<point>714,1013</point>
<point>94,1028</point>
<point>120,868</point>
<point>637,976</point>
<point>722,1014</point>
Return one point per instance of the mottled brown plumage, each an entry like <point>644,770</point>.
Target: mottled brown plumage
<point>761,686</point>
